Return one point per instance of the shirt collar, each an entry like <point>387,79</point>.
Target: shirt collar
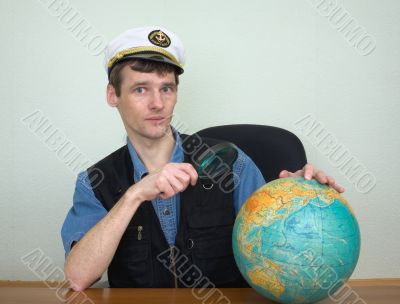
<point>139,168</point>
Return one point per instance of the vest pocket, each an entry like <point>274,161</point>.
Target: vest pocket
<point>213,248</point>
<point>138,252</point>
<point>136,264</point>
<point>215,259</point>
<point>211,239</point>
<point>132,266</point>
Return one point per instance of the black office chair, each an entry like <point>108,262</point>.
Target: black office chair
<point>272,149</point>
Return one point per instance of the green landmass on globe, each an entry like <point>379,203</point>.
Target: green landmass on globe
<point>296,240</point>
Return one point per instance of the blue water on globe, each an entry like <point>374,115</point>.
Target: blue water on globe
<point>296,241</point>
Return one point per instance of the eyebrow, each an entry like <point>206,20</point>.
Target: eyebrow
<point>137,84</point>
<point>144,83</point>
<point>170,84</point>
<point>140,83</point>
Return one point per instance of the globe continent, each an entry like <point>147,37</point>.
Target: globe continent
<point>296,240</point>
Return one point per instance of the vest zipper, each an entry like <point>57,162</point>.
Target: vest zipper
<point>139,230</point>
<point>172,260</point>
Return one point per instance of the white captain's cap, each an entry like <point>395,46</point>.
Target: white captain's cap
<point>151,43</point>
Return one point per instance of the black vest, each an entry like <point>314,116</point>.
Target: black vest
<point>202,255</point>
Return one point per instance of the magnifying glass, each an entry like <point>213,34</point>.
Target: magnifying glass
<point>216,161</point>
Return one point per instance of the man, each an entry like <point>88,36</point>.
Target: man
<point>144,201</point>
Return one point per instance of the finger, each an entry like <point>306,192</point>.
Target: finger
<point>177,185</point>
<point>165,196</point>
<point>286,173</point>
<point>308,171</point>
<point>190,170</point>
<point>321,177</point>
<point>331,181</point>
<point>175,178</point>
<point>298,173</point>
<point>185,168</point>
<point>179,175</point>
<point>183,177</point>
<point>338,188</point>
<point>164,187</point>
<point>283,174</point>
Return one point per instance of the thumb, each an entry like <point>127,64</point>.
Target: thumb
<point>284,173</point>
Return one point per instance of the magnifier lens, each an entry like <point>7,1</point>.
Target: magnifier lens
<point>216,160</point>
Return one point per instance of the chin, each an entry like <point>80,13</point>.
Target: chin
<point>160,133</point>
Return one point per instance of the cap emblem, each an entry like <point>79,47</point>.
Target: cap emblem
<point>159,38</point>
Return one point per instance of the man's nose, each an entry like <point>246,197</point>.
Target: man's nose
<point>156,101</point>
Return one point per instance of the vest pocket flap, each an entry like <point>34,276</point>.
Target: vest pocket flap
<point>210,218</point>
<point>213,248</point>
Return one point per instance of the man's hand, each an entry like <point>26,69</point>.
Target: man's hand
<point>166,182</point>
<point>310,172</point>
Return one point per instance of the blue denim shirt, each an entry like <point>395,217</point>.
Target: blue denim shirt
<point>87,210</point>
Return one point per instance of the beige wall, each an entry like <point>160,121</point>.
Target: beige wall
<point>282,63</point>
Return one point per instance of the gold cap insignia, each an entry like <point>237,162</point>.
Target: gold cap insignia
<point>159,38</point>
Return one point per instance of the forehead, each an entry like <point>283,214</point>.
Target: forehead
<point>130,76</point>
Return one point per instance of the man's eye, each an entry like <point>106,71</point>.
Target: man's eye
<point>139,90</point>
<point>167,89</point>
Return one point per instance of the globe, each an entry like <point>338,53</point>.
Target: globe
<point>296,240</point>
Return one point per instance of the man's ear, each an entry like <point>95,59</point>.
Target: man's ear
<point>112,98</point>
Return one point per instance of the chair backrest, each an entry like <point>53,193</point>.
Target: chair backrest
<point>272,149</point>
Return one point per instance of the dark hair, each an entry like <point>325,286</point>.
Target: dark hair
<point>139,65</point>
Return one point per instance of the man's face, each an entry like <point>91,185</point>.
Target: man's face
<point>146,103</point>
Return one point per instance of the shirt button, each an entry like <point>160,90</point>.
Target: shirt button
<point>166,211</point>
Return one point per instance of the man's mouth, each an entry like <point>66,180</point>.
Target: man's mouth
<point>155,118</point>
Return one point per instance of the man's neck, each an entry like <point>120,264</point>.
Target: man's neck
<point>154,153</point>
